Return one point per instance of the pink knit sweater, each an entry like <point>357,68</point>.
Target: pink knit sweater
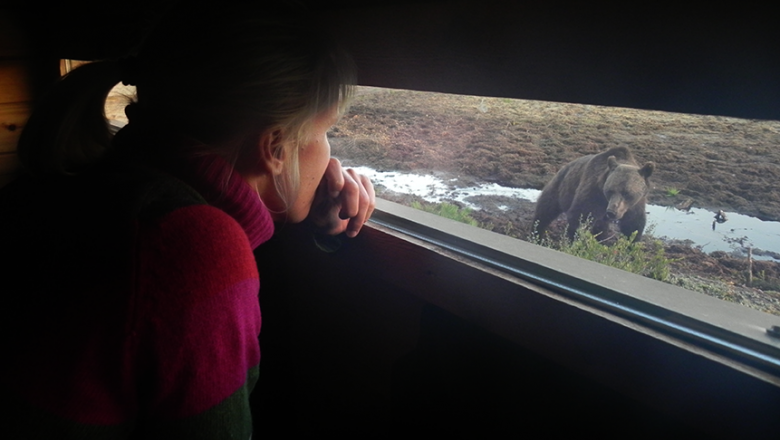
<point>137,313</point>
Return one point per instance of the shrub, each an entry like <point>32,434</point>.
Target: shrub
<point>646,258</point>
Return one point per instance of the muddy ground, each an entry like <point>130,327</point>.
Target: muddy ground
<point>701,161</point>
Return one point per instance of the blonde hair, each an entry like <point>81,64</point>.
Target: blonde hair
<point>216,79</point>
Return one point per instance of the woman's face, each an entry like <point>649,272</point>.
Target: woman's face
<point>313,158</point>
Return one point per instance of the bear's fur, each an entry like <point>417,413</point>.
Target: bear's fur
<point>609,186</point>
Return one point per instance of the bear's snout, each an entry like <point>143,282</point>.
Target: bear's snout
<point>615,209</point>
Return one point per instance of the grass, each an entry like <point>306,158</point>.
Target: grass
<point>672,192</point>
<point>645,258</point>
<point>447,210</point>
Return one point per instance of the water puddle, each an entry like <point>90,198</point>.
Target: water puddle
<point>694,226</point>
<point>737,234</point>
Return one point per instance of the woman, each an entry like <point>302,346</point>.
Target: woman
<point>136,313</point>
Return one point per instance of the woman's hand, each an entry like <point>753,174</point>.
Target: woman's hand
<point>344,201</point>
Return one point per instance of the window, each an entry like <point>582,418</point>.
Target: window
<point>490,157</point>
<point>463,142</point>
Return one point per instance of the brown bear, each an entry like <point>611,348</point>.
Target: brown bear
<point>609,186</point>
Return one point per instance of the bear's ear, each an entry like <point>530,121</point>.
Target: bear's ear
<point>612,162</point>
<point>647,170</point>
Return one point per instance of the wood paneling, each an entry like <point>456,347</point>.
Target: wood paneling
<point>13,117</point>
<point>8,163</point>
<point>15,108</point>
<point>9,166</point>
<point>16,90</point>
<point>14,81</point>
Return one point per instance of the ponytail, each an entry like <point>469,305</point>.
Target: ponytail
<point>68,130</point>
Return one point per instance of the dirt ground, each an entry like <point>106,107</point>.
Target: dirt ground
<point>701,161</point>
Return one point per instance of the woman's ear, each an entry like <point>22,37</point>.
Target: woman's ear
<point>271,152</point>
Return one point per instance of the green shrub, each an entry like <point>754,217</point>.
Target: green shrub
<point>672,192</point>
<point>447,210</point>
<point>646,258</point>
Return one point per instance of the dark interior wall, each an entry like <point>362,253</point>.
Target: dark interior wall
<point>719,61</point>
<point>360,356</point>
<point>716,61</point>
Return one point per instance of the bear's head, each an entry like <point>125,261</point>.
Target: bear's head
<point>626,185</point>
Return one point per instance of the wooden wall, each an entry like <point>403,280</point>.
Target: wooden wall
<point>15,92</point>
<point>26,72</point>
